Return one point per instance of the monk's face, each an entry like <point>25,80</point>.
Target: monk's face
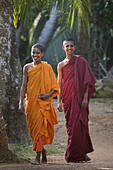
<point>69,47</point>
<point>36,55</point>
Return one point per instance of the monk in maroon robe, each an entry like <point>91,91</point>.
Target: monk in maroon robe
<point>77,84</point>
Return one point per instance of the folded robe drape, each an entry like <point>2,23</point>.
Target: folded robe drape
<point>76,76</point>
<point>40,114</point>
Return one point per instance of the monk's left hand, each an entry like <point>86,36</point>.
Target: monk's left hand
<point>43,96</point>
<point>84,103</point>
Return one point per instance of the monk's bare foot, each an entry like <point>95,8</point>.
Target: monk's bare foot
<point>35,162</point>
<point>37,159</point>
<point>87,158</point>
<point>44,158</point>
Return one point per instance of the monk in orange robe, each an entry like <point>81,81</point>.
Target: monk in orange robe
<point>40,86</point>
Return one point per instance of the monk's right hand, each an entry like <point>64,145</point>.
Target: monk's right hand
<point>21,108</point>
<point>59,107</point>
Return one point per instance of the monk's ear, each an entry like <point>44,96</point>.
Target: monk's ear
<point>42,54</point>
<point>63,48</point>
<point>75,47</point>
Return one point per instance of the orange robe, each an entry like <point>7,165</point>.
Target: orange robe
<point>40,114</point>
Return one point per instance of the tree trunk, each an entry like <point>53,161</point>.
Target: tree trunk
<point>3,135</point>
<point>83,41</point>
<point>83,38</point>
<point>10,76</point>
<point>5,153</point>
<point>98,42</point>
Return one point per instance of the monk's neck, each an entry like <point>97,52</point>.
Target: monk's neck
<point>36,63</point>
<point>68,57</point>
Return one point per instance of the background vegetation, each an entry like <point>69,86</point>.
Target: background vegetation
<point>64,21</point>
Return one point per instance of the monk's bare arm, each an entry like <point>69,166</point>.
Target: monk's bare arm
<point>59,68</point>
<point>85,98</point>
<point>23,90</point>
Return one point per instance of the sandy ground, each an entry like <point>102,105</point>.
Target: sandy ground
<point>101,132</point>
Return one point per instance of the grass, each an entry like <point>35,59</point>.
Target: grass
<point>26,153</point>
<point>52,150</point>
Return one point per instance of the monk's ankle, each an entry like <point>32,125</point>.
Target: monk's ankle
<point>87,158</point>
<point>44,158</point>
<point>37,159</point>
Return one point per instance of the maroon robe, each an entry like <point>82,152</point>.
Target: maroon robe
<point>76,76</point>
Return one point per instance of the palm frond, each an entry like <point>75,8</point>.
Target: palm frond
<point>23,10</point>
<point>68,9</point>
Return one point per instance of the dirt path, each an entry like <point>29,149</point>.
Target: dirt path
<point>101,132</point>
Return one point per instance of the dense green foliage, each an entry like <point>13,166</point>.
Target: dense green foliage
<point>69,11</point>
<point>68,8</point>
<point>26,13</point>
<point>104,7</point>
<point>104,10</point>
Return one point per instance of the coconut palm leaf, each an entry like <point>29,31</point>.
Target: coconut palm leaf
<point>24,8</point>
